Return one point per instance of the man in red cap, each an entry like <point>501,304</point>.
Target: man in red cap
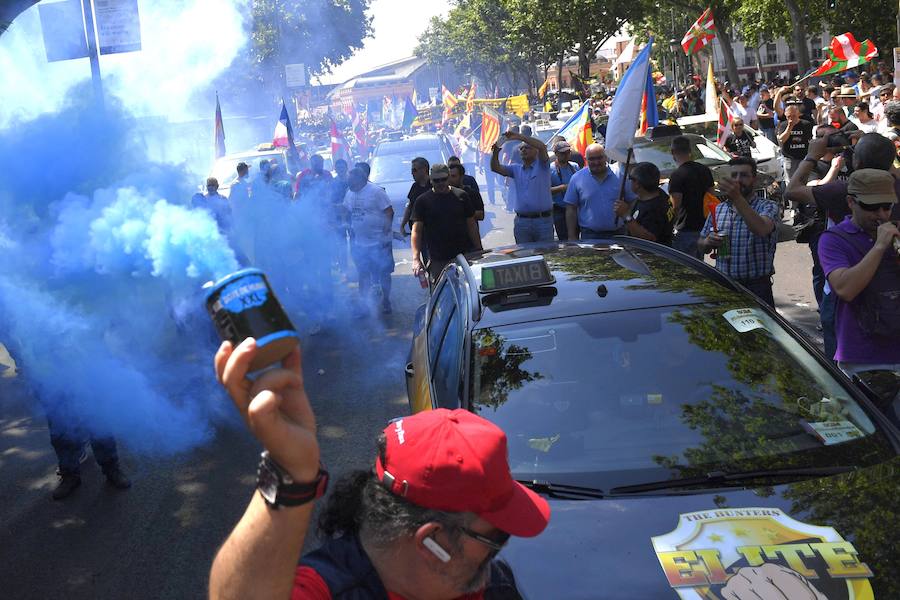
<point>426,522</point>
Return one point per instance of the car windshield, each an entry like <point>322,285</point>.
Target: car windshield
<point>225,169</point>
<point>652,394</point>
<point>659,153</point>
<point>397,167</point>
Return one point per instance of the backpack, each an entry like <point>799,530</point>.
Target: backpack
<point>877,308</point>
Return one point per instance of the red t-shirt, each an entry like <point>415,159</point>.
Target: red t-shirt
<point>309,585</point>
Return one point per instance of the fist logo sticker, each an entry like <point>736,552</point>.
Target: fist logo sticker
<point>759,554</point>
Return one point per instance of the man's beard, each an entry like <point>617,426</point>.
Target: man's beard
<point>480,579</point>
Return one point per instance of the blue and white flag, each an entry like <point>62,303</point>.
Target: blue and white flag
<point>625,115</point>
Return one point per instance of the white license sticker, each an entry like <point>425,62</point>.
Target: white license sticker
<point>833,432</point>
<point>744,319</point>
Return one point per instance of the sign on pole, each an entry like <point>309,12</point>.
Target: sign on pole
<point>118,26</point>
<point>295,75</point>
<point>63,30</point>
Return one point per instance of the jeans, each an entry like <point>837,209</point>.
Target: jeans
<point>761,287</point>
<point>827,317</point>
<point>68,438</point>
<point>533,230</point>
<point>559,222</point>
<point>686,241</point>
<point>818,275</point>
<point>591,234</point>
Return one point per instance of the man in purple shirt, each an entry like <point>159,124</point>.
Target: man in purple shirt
<point>852,253</point>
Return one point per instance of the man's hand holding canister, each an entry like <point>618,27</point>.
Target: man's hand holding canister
<point>275,407</point>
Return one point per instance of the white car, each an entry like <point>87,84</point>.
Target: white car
<point>767,154</point>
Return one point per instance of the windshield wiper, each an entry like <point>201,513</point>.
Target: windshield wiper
<point>561,490</point>
<point>733,478</point>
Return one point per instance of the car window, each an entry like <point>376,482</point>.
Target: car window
<point>445,374</point>
<point>651,394</point>
<point>657,152</point>
<point>440,315</point>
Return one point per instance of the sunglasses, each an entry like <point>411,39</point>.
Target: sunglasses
<point>438,179</point>
<point>494,544</point>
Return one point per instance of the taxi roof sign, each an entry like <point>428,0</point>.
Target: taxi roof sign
<point>515,274</point>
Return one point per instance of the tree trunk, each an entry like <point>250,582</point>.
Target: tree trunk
<point>584,61</point>
<point>559,68</point>
<point>728,51</point>
<point>799,35</point>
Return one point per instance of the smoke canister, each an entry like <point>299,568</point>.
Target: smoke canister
<point>243,305</point>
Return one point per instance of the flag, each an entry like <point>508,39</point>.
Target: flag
<point>517,104</point>
<point>542,91</point>
<point>415,98</point>
<point>726,120</point>
<point>846,53</point>
<point>577,130</point>
<point>339,146</point>
<point>649,112</point>
<point>712,96</point>
<point>491,121</point>
<point>449,101</point>
<point>627,105</point>
<point>284,138</point>
<point>409,113</point>
<point>470,101</point>
<point>700,34</point>
<point>220,130</point>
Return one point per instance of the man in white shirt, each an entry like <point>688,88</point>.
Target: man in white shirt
<point>371,215</point>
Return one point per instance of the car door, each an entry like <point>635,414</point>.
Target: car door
<point>439,311</point>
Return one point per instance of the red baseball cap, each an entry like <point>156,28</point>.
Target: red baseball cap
<point>456,461</point>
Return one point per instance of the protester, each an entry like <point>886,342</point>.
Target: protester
<point>793,136</point>
<point>371,215</point>
<point>431,513</point>
<point>650,217</point>
<point>467,183</point>
<point>591,196</point>
<point>837,118</point>
<point>419,169</point>
<point>766,114</point>
<point>688,185</point>
<point>872,151</point>
<point>742,230</point>
<point>443,225</point>
<point>846,97</point>
<point>739,142</point>
<point>533,203</point>
<point>560,173</point>
<point>215,204</point>
<point>863,118</point>
<point>240,187</point>
<point>860,258</point>
<point>341,224</point>
<point>315,182</point>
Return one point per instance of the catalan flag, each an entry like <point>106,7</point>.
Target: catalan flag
<point>491,121</point>
<point>470,101</point>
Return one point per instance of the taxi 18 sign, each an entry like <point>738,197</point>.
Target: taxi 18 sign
<point>712,553</point>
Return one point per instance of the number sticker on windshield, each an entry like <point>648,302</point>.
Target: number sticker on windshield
<point>832,432</point>
<point>744,319</point>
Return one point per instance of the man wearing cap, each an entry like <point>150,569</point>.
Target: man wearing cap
<point>443,224</point>
<point>532,201</point>
<point>429,517</point>
<point>859,256</point>
<point>560,173</point>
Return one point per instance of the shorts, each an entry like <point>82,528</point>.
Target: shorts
<point>377,259</point>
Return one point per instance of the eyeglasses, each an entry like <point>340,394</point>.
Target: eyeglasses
<point>495,545</point>
<point>438,179</point>
<point>874,207</point>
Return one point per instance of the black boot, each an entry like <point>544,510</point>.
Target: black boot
<point>68,482</point>
<point>116,478</point>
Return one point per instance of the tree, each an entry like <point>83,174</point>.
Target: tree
<point>592,24</point>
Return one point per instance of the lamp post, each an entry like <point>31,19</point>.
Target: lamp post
<point>675,46</point>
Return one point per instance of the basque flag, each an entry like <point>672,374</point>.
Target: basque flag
<point>220,130</point>
<point>700,34</point>
<point>846,53</point>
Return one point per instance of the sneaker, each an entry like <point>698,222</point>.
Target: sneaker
<point>116,478</point>
<point>68,482</point>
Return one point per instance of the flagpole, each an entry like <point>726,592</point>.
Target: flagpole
<point>625,174</point>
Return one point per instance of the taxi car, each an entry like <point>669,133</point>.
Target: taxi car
<point>692,444</point>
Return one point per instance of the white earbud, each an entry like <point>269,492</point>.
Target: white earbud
<point>436,549</point>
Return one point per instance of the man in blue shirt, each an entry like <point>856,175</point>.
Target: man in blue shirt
<point>560,173</point>
<point>531,180</point>
<point>591,196</point>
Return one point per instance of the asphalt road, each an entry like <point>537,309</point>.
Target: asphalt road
<point>158,539</point>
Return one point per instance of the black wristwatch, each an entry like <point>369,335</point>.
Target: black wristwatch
<point>278,488</point>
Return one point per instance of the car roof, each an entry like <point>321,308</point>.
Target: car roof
<point>616,274</point>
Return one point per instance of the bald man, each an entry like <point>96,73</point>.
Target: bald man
<point>591,196</point>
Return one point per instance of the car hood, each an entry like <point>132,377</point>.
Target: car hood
<point>840,533</point>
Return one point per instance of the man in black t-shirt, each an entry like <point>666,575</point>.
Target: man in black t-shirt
<point>459,179</point>
<point>739,142</point>
<point>793,137</point>
<point>419,169</point>
<point>650,217</point>
<point>443,224</point>
<point>766,114</point>
<point>687,187</point>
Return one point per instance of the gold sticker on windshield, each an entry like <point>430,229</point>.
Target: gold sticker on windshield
<point>746,553</point>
